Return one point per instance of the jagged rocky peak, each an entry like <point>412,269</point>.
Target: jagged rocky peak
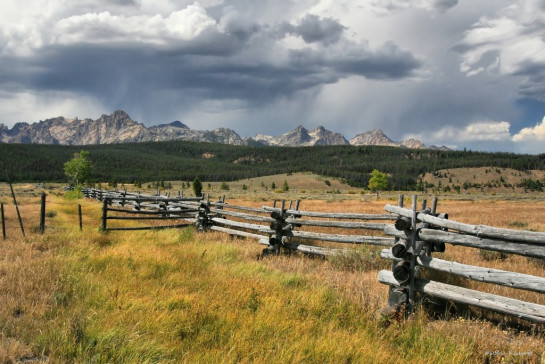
<point>117,119</point>
<point>301,136</point>
<point>226,136</point>
<point>322,136</point>
<point>413,144</point>
<point>297,137</point>
<point>372,137</point>
<point>377,137</point>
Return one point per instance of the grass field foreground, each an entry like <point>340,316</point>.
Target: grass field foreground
<point>183,296</point>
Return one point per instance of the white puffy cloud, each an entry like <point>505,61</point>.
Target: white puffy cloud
<point>185,24</point>
<point>478,131</point>
<point>536,133</point>
<point>488,135</point>
<point>487,130</point>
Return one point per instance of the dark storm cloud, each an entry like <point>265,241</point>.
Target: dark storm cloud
<point>387,62</point>
<point>215,65</point>
<point>534,85</point>
<point>314,29</point>
<point>266,66</point>
<point>431,5</point>
<point>444,5</point>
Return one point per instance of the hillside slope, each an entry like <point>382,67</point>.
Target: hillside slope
<point>177,160</point>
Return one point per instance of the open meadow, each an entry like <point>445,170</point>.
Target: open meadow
<point>175,295</point>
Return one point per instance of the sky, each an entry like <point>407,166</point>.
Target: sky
<point>460,73</point>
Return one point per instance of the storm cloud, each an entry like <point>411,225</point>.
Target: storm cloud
<point>429,68</point>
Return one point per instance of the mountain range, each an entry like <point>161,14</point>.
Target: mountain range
<point>120,128</point>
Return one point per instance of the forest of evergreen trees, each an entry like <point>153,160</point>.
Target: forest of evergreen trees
<point>182,160</point>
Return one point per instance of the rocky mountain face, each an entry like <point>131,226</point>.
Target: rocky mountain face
<point>373,137</point>
<point>301,137</point>
<point>115,128</point>
<point>120,128</point>
<point>377,137</point>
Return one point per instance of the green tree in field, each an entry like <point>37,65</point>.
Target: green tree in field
<point>285,187</point>
<point>224,186</point>
<point>378,181</point>
<point>79,168</point>
<point>197,187</point>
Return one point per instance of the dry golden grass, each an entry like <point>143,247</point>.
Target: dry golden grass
<point>181,296</point>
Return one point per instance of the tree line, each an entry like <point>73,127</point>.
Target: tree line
<point>183,160</point>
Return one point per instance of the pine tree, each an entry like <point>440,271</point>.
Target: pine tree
<point>197,187</point>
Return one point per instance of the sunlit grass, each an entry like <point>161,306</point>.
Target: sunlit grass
<point>184,296</point>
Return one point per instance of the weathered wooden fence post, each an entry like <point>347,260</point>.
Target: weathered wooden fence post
<point>42,213</point>
<point>103,227</point>
<point>3,221</point>
<point>280,227</point>
<point>80,218</point>
<point>398,296</point>
<point>15,203</point>
<point>203,220</point>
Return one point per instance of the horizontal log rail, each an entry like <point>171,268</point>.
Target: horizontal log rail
<point>338,224</point>
<point>136,218</point>
<point>335,215</point>
<point>128,196</point>
<point>179,226</point>
<point>237,232</point>
<point>154,212</point>
<point>242,208</point>
<point>504,246</point>
<point>509,306</point>
<point>242,225</point>
<point>349,239</point>
<point>479,274</point>
<point>437,236</point>
<point>476,230</point>
<point>243,216</point>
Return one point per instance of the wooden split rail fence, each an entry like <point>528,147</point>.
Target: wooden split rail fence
<point>419,233</point>
<point>276,227</point>
<point>410,235</point>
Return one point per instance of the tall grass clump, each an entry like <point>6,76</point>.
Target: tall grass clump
<point>363,259</point>
<point>74,194</point>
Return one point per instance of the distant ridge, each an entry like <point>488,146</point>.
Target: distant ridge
<point>120,128</point>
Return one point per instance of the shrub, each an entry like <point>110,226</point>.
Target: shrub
<point>74,194</point>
